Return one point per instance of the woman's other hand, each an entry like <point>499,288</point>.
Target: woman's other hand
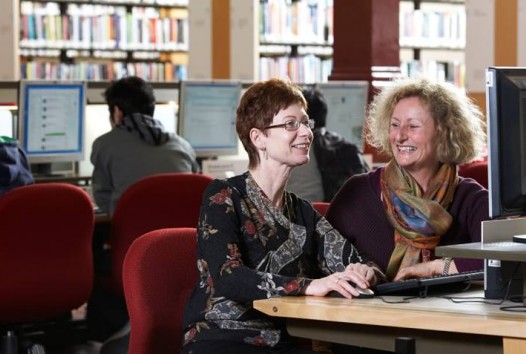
<point>425,269</point>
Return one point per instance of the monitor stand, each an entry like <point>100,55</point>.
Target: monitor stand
<point>504,260</point>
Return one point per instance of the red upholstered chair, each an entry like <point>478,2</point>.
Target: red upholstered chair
<point>477,170</point>
<point>46,259</point>
<point>159,274</point>
<point>154,202</point>
<point>321,207</point>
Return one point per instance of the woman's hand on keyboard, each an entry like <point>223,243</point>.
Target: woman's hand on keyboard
<point>425,269</point>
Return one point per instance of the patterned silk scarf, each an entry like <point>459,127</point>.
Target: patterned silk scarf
<point>419,219</point>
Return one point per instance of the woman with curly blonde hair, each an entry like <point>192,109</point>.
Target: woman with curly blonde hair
<point>397,214</point>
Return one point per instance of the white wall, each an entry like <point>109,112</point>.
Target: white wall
<point>200,39</point>
<point>6,122</point>
<point>9,39</point>
<point>480,25</point>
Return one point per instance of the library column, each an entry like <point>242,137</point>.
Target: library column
<point>223,39</point>
<point>366,43</point>
<point>9,38</point>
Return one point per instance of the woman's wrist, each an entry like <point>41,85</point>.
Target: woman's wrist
<point>447,265</point>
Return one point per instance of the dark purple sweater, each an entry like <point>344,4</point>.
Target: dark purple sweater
<point>358,213</point>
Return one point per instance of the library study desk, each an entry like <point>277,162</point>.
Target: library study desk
<point>437,325</point>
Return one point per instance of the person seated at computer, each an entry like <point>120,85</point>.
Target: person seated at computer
<point>256,240</point>
<point>14,167</point>
<point>396,215</point>
<point>137,146</point>
<point>333,159</point>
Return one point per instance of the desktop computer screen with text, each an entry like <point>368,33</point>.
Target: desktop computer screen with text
<point>207,116</point>
<point>51,120</point>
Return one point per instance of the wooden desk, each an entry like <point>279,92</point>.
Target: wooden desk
<point>71,179</point>
<point>438,325</point>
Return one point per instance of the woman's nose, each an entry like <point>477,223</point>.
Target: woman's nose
<point>401,133</point>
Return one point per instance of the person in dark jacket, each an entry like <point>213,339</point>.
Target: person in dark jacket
<point>333,158</point>
<point>14,168</point>
<point>137,145</point>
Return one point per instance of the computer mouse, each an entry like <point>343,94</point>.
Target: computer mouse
<point>363,293</point>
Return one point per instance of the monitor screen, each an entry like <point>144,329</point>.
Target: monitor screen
<point>346,101</point>
<point>51,120</point>
<point>207,116</point>
<point>506,118</point>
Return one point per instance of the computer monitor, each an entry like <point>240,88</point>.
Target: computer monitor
<point>51,122</point>
<point>207,116</point>
<point>506,124</point>
<point>346,101</point>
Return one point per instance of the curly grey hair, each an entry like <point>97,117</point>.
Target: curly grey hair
<point>460,124</point>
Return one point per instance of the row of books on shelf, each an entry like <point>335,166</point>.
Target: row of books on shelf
<point>446,71</point>
<point>426,28</point>
<point>280,49</point>
<point>305,69</point>
<point>103,27</point>
<point>102,71</point>
<point>93,54</point>
<point>306,21</point>
<point>146,2</point>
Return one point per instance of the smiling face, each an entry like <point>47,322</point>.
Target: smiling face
<point>413,137</point>
<point>290,147</point>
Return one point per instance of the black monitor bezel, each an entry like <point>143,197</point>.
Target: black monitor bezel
<point>506,160</point>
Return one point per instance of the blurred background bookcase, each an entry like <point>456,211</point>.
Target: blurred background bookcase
<point>433,39</point>
<point>103,39</point>
<point>226,42</point>
<point>295,39</point>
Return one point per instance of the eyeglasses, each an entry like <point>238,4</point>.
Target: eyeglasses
<point>293,124</point>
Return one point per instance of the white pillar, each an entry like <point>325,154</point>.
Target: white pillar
<point>9,39</point>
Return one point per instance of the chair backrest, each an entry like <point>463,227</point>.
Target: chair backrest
<point>160,271</point>
<point>154,202</point>
<point>46,257</point>
<point>477,170</point>
<point>321,207</point>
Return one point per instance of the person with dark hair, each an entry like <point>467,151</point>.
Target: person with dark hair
<point>14,168</point>
<point>333,159</point>
<point>256,240</point>
<point>137,146</point>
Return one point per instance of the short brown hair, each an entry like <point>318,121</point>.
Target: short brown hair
<point>258,106</point>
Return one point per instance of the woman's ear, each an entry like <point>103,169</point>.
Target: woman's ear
<point>258,138</point>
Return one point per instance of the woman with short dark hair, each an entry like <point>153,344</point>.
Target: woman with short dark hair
<point>255,240</point>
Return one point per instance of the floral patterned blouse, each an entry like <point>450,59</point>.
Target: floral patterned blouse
<point>249,250</point>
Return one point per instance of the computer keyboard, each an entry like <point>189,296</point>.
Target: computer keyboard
<point>433,284</point>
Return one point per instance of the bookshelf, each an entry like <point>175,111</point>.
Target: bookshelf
<point>104,39</point>
<point>433,39</point>
<point>295,39</point>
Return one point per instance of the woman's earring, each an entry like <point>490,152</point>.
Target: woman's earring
<point>265,153</point>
